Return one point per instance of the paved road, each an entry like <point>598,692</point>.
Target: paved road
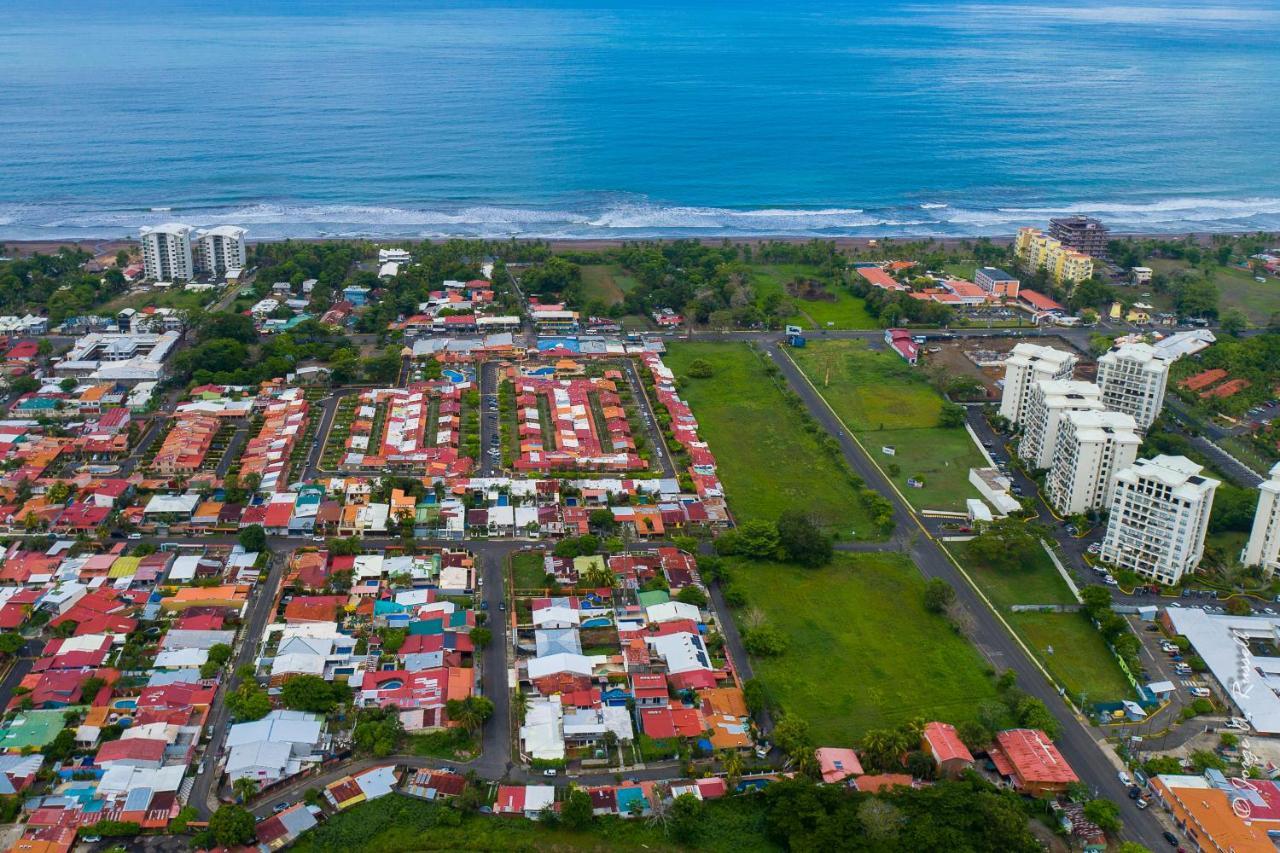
<point>260,613</point>
<point>647,416</point>
<point>1095,766</point>
<point>490,465</point>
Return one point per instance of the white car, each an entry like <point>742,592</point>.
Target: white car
<point>1110,581</point>
<point>1124,778</point>
<point>1237,724</point>
<point>1094,548</point>
<point>1200,692</point>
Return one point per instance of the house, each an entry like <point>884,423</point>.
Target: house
<point>941,741</point>
<point>901,342</point>
<point>1031,761</point>
<point>283,829</point>
<point>837,765</point>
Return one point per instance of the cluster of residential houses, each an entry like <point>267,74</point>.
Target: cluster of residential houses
<point>419,430</point>
<point>602,664</point>
<point>585,426</point>
<point>123,676</point>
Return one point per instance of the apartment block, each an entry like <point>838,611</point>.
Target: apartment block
<point>1026,365</point>
<point>1133,379</point>
<point>997,282</point>
<point>1082,233</point>
<point>167,253</point>
<point>1091,448</point>
<point>219,249</point>
<point>1036,250</point>
<point>1159,514</point>
<point>1048,401</point>
<point>1263,547</point>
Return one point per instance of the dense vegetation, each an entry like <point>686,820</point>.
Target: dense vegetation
<point>55,282</point>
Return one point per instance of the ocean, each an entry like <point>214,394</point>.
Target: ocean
<point>636,118</point>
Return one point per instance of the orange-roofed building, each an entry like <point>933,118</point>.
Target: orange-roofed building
<point>313,608</point>
<point>1205,813</point>
<point>950,754</point>
<point>229,595</point>
<point>724,700</point>
<point>1032,761</point>
<point>883,782</point>
<point>837,764</point>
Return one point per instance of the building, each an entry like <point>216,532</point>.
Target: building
<point>902,342</point>
<point>1038,251</point>
<point>167,253</point>
<point>1047,401</point>
<point>1082,233</point>
<point>1031,761</point>
<point>997,282</point>
<point>1026,365</point>
<point>1159,514</point>
<point>1133,378</point>
<point>1141,275</point>
<point>1263,547</point>
<point>1240,654</point>
<point>219,249</point>
<point>943,744</point>
<point>1220,813</point>
<point>123,359</point>
<point>1091,448</point>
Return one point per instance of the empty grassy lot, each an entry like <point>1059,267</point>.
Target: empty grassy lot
<point>1237,288</point>
<point>1066,644</point>
<point>863,652</point>
<point>607,283</point>
<point>887,403</point>
<point>767,462</point>
<point>846,311</point>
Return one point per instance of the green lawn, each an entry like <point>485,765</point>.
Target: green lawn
<point>1237,288</point>
<point>528,570</point>
<point>863,653</point>
<point>1036,581</point>
<point>174,297</point>
<point>845,311</point>
<point>1080,660</point>
<point>766,460</point>
<point>886,402</point>
<point>607,283</point>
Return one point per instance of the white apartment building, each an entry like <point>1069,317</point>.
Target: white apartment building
<point>1026,365</point>
<point>1159,514</point>
<point>1091,448</point>
<point>1133,378</point>
<point>1263,547</point>
<point>219,249</point>
<point>166,252</point>
<point>1047,401</point>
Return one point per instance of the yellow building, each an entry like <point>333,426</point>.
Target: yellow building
<point>1038,251</point>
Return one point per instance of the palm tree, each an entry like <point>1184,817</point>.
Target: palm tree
<point>731,762</point>
<point>520,703</point>
<point>245,788</point>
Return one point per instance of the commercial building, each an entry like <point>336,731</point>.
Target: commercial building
<point>1026,365</point>
<point>1221,813</point>
<point>1159,514</point>
<point>1091,448</point>
<point>124,359</point>
<point>1133,378</point>
<point>219,249</point>
<point>167,253</point>
<point>1081,233</point>
<point>997,282</point>
<point>1240,653</point>
<point>1036,250</point>
<point>1047,401</point>
<point>1263,547</point>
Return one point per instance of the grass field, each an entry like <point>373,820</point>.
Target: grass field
<point>1036,581</point>
<point>846,311</point>
<point>863,653</point>
<point>607,283</point>
<point>768,463</point>
<point>887,403</point>
<point>1080,660</point>
<point>1237,288</point>
<point>528,570</point>
<point>175,297</point>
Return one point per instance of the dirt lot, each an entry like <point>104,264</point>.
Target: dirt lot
<point>952,357</point>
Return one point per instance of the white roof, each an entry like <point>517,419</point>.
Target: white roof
<point>1190,342</point>
<point>280,726</point>
<point>271,755</point>
<point>1179,473</point>
<point>978,511</point>
<point>1251,681</point>
<point>683,652</point>
<point>541,733</point>
<point>670,611</point>
<point>180,658</point>
<point>576,664</point>
<point>538,797</point>
<point>121,778</point>
<point>184,568</point>
<point>183,504</point>
<point>545,615</point>
<point>176,228</point>
<point>234,232</point>
<point>597,721</point>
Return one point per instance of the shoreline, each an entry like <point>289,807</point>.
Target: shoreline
<point>111,245</point>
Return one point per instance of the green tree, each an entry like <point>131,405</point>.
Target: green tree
<point>801,540</point>
<point>685,819</point>
<point>576,811</point>
<point>471,712</point>
<point>481,637</point>
<point>310,693</point>
<point>1104,813</point>
<point>231,826</point>
<point>1234,322</point>
<point>253,538</point>
<point>951,416</point>
<point>938,595</point>
<point>692,595</point>
<point>757,539</point>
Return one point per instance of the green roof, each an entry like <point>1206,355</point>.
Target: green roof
<point>649,599</point>
<point>33,728</point>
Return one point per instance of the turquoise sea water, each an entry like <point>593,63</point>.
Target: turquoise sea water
<point>629,118</point>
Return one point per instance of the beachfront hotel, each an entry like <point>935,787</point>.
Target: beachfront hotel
<point>219,249</point>
<point>1036,250</point>
<point>1133,379</point>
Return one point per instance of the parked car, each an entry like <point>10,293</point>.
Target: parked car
<point>550,771</point>
<point>1134,792</point>
<point>279,807</point>
<point>1142,802</point>
<point>1125,778</point>
<point>1095,548</point>
<point>1171,838</point>
<point>1200,692</point>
